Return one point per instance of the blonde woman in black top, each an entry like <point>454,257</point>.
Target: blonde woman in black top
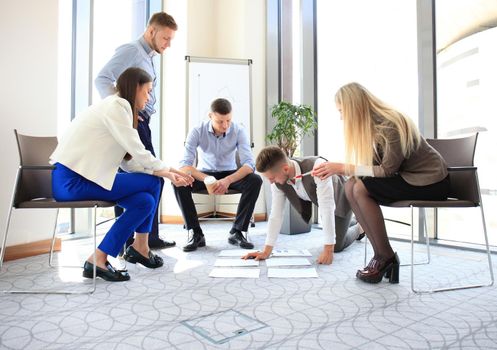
<point>388,160</point>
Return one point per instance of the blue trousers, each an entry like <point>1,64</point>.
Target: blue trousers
<point>138,193</point>
<point>145,134</point>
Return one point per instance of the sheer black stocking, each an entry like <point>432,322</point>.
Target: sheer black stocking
<point>370,216</point>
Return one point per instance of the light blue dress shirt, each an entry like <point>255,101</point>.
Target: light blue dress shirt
<point>135,54</point>
<point>217,153</point>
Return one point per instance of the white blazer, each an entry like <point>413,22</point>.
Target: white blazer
<point>97,140</point>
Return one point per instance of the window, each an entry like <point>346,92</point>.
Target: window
<point>466,86</point>
<point>89,33</point>
<point>379,51</point>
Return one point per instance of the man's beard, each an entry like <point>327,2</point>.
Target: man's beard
<point>154,45</point>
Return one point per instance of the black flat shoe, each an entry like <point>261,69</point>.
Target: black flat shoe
<point>152,261</point>
<point>161,244</point>
<point>237,238</point>
<point>110,275</point>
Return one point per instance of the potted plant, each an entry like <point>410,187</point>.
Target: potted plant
<point>293,123</point>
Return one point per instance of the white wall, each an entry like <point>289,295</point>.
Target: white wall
<point>211,28</point>
<point>28,102</point>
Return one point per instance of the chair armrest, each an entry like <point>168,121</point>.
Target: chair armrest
<point>37,167</point>
<point>462,168</point>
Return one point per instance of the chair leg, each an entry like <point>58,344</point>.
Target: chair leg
<point>52,245</point>
<point>94,231</point>
<point>4,240</point>
<point>487,246</point>
<point>365,250</point>
<point>428,258</point>
<point>9,216</point>
<point>469,286</point>
<point>412,251</point>
<point>66,292</point>
<point>427,238</point>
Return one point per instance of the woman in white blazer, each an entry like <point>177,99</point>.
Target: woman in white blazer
<point>98,142</point>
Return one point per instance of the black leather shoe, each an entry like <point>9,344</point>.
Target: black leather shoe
<point>378,268</point>
<point>152,261</point>
<point>160,244</point>
<point>197,240</point>
<point>237,238</point>
<point>111,274</point>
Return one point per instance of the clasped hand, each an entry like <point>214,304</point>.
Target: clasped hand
<point>177,177</point>
<point>222,186</point>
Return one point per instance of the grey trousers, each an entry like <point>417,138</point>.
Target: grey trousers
<point>346,232</point>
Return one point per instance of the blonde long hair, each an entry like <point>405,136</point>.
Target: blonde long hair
<point>368,124</point>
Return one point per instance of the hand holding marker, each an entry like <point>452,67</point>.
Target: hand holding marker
<point>302,175</point>
<point>292,180</point>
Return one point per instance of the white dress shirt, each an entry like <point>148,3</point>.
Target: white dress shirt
<point>97,140</point>
<point>326,202</point>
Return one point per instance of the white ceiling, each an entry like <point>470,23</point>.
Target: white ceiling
<point>457,19</point>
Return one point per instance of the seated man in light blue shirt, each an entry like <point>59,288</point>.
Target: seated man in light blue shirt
<point>217,142</point>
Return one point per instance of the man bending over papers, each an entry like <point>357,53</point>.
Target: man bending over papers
<point>292,179</point>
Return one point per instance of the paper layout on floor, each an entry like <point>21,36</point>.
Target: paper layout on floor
<point>235,252</point>
<point>224,272</point>
<point>291,252</point>
<point>292,273</point>
<point>274,262</point>
<point>236,262</point>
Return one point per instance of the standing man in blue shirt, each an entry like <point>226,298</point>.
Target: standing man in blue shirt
<point>140,53</point>
<point>217,142</point>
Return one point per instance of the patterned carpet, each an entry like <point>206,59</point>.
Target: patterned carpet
<point>180,307</point>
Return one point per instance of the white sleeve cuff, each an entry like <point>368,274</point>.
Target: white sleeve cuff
<point>363,170</point>
<point>164,167</point>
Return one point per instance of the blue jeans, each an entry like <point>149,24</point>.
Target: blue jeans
<point>138,193</point>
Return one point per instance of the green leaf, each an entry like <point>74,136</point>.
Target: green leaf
<point>293,123</point>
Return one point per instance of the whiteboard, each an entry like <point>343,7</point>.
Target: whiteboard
<point>211,78</point>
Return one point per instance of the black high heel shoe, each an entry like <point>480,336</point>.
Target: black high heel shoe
<point>377,268</point>
<point>152,261</point>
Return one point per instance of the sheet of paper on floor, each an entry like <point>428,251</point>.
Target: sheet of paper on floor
<point>292,273</point>
<point>236,262</point>
<point>291,252</point>
<point>226,272</point>
<point>235,252</point>
<point>294,261</point>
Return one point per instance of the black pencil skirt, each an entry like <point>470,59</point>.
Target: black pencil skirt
<point>386,190</point>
